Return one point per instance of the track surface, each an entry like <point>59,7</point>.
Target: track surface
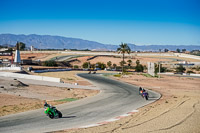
<point>116,98</point>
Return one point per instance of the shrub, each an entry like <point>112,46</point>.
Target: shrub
<point>50,63</point>
<point>109,64</point>
<point>76,67</point>
<point>189,71</point>
<point>139,67</point>
<point>180,68</point>
<point>162,69</point>
<point>85,64</point>
<point>101,65</point>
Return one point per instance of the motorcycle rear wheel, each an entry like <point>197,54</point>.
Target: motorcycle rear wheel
<point>51,115</point>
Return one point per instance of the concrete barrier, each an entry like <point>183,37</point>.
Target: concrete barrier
<point>198,75</point>
<point>50,70</point>
<point>167,73</point>
<point>184,74</point>
<point>33,77</point>
<point>11,68</point>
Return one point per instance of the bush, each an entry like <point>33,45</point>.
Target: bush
<point>180,69</point>
<point>76,67</point>
<point>101,65</point>
<point>109,64</point>
<point>139,67</point>
<point>162,69</point>
<point>196,68</point>
<point>50,63</point>
<point>85,64</point>
<point>189,71</point>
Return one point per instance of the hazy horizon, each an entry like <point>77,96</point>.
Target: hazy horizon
<point>103,43</point>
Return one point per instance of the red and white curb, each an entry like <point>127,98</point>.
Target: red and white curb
<point>110,120</point>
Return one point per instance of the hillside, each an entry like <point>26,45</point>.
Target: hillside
<point>59,42</point>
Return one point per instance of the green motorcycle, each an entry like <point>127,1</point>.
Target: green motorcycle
<point>52,112</point>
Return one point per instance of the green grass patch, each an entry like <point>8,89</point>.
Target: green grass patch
<point>108,74</point>
<point>117,75</point>
<point>128,73</point>
<point>149,76</point>
<point>66,100</point>
<point>70,79</point>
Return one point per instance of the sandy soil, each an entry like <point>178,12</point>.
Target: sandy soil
<point>18,97</point>
<point>177,111</point>
<point>25,56</point>
<point>116,60</point>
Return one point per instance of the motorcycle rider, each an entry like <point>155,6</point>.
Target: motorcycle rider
<point>140,89</point>
<point>51,111</point>
<point>145,94</point>
<point>46,105</point>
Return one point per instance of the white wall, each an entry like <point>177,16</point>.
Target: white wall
<point>25,76</point>
<point>11,68</point>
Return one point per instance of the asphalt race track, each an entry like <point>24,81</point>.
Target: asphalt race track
<point>116,98</point>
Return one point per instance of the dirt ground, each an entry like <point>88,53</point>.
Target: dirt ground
<point>178,110</point>
<point>18,97</point>
<point>116,60</point>
<point>25,56</point>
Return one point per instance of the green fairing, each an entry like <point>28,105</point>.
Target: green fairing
<point>52,112</point>
<point>49,111</point>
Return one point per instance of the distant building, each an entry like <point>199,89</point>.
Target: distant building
<point>3,49</point>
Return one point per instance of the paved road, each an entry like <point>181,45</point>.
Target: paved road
<point>63,58</point>
<point>116,98</point>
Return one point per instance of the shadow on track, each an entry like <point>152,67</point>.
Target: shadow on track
<point>152,98</point>
<point>68,116</point>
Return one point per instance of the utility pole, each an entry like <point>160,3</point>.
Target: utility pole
<point>159,68</point>
<point>159,62</point>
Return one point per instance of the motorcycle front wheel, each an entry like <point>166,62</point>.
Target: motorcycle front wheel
<point>59,114</point>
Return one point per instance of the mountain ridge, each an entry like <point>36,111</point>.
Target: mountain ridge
<point>60,42</point>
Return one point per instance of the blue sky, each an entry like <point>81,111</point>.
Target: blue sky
<point>141,22</point>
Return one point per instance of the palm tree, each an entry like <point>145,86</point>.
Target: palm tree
<point>115,65</point>
<point>109,63</point>
<point>123,48</point>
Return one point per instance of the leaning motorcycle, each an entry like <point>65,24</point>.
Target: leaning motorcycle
<point>52,112</point>
<point>145,95</point>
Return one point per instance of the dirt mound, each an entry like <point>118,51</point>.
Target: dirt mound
<point>17,83</point>
<point>10,84</point>
<point>20,84</point>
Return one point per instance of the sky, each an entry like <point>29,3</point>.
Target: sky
<point>140,22</point>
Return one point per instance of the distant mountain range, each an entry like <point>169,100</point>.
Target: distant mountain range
<point>59,42</point>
